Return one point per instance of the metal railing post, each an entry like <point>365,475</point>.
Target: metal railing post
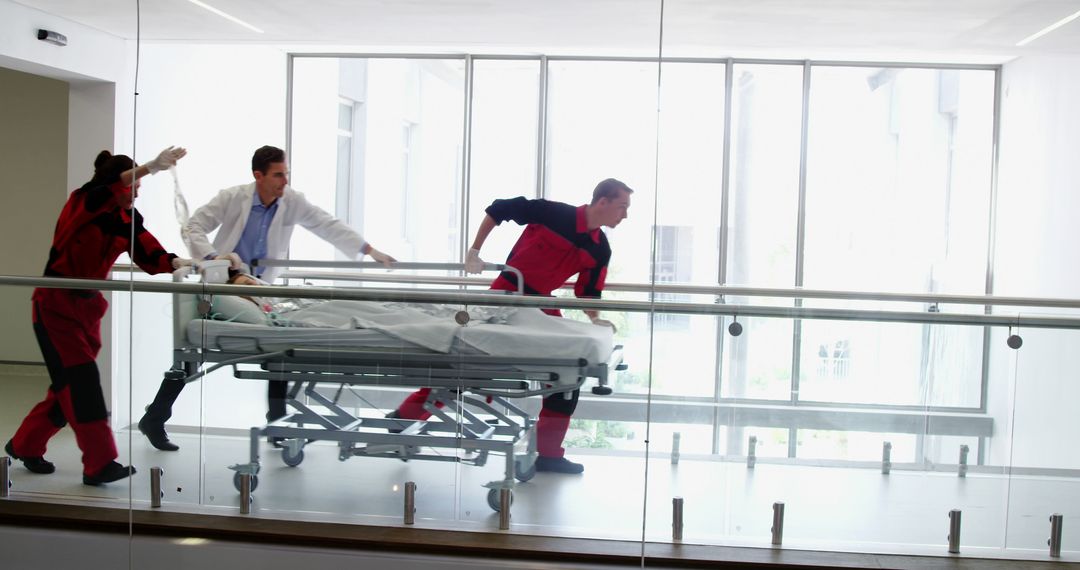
<point>751,453</point>
<point>962,469</point>
<point>5,476</point>
<point>245,493</point>
<point>410,502</point>
<point>677,519</point>
<point>886,458</point>
<point>504,509</point>
<point>155,487</point>
<point>777,523</point>
<point>1055,535</point>
<point>954,531</point>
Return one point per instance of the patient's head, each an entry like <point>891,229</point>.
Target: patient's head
<point>241,308</point>
<point>242,279</point>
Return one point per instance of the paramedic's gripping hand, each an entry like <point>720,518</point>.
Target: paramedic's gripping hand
<point>179,262</point>
<point>604,323</point>
<point>473,263</point>
<point>381,257</point>
<point>235,263</point>
<point>166,159</point>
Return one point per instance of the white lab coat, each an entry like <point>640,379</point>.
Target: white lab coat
<point>228,213</point>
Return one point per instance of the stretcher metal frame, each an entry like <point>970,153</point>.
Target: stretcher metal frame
<point>471,399</point>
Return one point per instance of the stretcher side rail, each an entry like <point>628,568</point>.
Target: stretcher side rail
<point>401,372</point>
<point>357,380</point>
<point>400,265</point>
<point>480,386</point>
<point>437,358</point>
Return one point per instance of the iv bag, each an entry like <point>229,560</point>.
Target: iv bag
<point>179,203</point>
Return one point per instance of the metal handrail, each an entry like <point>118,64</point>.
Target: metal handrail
<point>716,290</point>
<point>487,298</point>
<point>724,290</point>
<point>402,265</point>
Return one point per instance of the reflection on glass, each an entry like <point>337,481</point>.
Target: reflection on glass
<point>504,138</point>
<point>602,124</point>
<point>379,142</point>
<point>891,364</point>
<point>762,223</point>
<point>763,207</point>
<point>897,182</point>
<point>895,200</point>
<point>757,363</point>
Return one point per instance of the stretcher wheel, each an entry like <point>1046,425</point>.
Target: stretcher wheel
<point>522,474</point>
<point>236,481</point>
<point>493,499</point>
<point>290,459</point>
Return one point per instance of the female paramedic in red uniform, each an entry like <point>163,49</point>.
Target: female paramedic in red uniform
<point>95,227</point>
<point>559,241</point>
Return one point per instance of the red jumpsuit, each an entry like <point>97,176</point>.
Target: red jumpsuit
<point>556,245</point>
<point>93,230</point>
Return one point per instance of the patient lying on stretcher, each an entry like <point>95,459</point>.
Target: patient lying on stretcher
<point>507,331</point>
<point>283,312</point>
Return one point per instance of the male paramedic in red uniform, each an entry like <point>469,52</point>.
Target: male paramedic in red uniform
<point>95,227</point>
<point>559,241</point>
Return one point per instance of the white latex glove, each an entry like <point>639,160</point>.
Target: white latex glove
<point>604,323</point>
<point>381,257</point>
<point>179,262</point>
<point>235,263</point>
<point>473,263</point>
<point>166,159</point>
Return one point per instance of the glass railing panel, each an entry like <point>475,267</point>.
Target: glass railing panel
<point>1041,466</point>
<point>28,389</point>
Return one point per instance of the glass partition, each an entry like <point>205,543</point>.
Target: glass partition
<point>850,477</point>
<point>867,417</point>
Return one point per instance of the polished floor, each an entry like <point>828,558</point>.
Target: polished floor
<point>619,497</point>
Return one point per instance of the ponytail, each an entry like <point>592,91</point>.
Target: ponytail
<point>108,167</point>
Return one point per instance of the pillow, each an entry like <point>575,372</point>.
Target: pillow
<point>237,310</point>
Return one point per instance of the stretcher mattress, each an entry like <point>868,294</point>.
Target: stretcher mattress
<point>523,332</point>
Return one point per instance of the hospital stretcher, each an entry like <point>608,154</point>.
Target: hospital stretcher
<point>474,398</point>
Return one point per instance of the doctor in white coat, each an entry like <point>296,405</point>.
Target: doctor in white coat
<point>253,221</point>
<point>256,220</point>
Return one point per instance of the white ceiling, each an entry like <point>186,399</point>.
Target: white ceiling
<point>929,30</point>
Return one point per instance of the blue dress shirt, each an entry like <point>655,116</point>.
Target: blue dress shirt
<point>253,241</point>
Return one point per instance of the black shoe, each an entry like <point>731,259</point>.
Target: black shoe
<point>157,435</point>
<point>34,464</point>
<point>278,442</point>
<point>111,472</point>
<point>394,415</point>
<point>558,465</point>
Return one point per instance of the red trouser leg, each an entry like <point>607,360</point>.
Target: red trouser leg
<point>550,432</point>
<point>95,437</point>
<point>554,422</point>
<point>413,406</point>
<point>43,421</point>
<point>68,329</point>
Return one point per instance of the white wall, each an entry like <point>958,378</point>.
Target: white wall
<point>33,112</point>
<point>89,55</point>
<point>91,64</point>
<point>1036,255</point>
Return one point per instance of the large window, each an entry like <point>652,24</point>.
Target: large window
<point>405,170</point>
<point>827,177</point>
<point>762,218</point>
<point>897,199</point>
<point>504,138</point>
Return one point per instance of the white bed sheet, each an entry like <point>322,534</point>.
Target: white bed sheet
<point>362,324</point>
